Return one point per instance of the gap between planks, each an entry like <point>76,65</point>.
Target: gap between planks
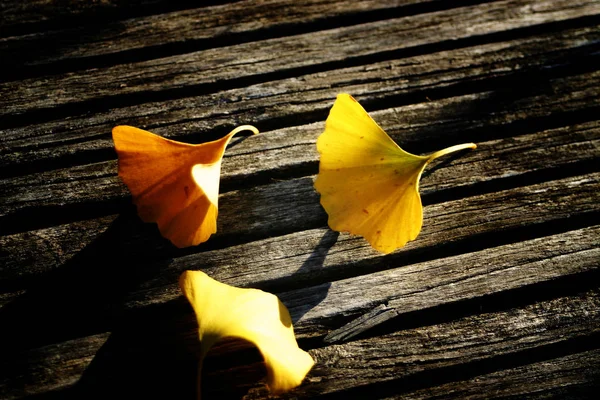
<point>318,302</point>
<point>165,34</point>
<point>80,140</point>
<point>440,122</point>
<point>253,213</point>
<point>398,355</point>
<point>184,75</point>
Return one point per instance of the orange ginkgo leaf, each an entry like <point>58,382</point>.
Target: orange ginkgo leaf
<point>173,184</point>
<point>224,311</point>
<point>369,186</point>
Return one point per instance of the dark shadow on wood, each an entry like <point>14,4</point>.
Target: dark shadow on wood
<point>231,368</point>
<point>155,354</point>
<point>65,14</point>
<point>148,356</point>
<point>37,56</point>
<point>84,295</point>
<point>59,394</point>
<point>104,103</point>
<point>312,267</point>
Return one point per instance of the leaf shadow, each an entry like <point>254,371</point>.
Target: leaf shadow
<point>84,295</point>
<point>149,351</point>
<point>446,161</point>
<point>148,355</point>
<point>313,266</point>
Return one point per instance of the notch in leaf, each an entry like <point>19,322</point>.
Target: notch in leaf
<point>250,314</point>
<point>369,186</point>
<point>173,184</point>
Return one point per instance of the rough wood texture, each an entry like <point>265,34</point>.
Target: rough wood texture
<point>20,15</point>
<point>282,54</point>
<point>347,257</point>
<point>572,376</point>
<point>291,206</point>
<point>441,74</point>
<point>484,340</point>
<point>248,20</point>
<point>499,294</point>
<point>538,331</point>
<point>296,146</point>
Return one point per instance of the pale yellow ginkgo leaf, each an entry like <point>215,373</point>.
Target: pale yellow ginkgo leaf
<point>173,184</point>
<point>369,186</point>
<point>250,314</point>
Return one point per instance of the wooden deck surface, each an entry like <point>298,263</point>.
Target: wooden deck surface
<point>499,296</point>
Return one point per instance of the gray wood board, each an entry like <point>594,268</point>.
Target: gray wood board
<point>292,205</point>
<point>487,336</point>
<point>306,98</point>
<point>313,256</point>
<point>440,122</point>
<point>240,21</point>
<point>487,339</point>
<point>498,296</point>
<point>574,376</point>
<point>318,303</point>
<point>291,53</point>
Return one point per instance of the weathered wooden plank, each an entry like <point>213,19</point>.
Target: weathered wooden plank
<point>241,21</point>
<point>428,126</point>
<point>55,367</point>
<point>400,355</point>
<point>24,16</point>
<point>429,284</point>
<point>575,376</point>
<point>486,237</point>
<point>311,257</point>
<point>316,257</point>
<point>43,247</point>
<point>289,206</point>
<point>85,139</point>
<point>190,71</point>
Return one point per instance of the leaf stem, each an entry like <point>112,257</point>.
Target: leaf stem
<point>244,128</point>
<point>228,137</point>
<point>451,149</point>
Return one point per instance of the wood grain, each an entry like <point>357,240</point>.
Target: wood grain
<point>290,258</point>
<point>240,21</point>
<point>46,14</point>
<point>497,297</point>
<point>397,356</point>
<point>294,261</point>
<point>402,356</point>
<point>48,371</point>
<point>311,257</point>
<point>303,99</point>
<point>572,376</point>
<point>283,54</point>
<point>256,213</point>
<point>434,122</point>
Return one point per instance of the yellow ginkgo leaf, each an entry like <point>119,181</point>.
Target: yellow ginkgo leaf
<point>369,186</point>
<point>173,184</point>
<point>249,314</point>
